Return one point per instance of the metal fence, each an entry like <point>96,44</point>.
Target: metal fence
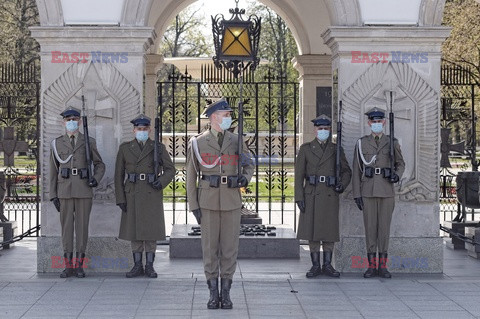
<point>270,128</point>
<point>19,132</point>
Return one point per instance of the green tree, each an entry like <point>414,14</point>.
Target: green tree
<point>182,37</point>
<point>16,16</point>
<point>462,47</point>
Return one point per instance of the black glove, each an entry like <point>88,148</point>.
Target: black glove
<point>301,206</point>
<point>359,202</point>
<point>198,215</point>
<point>123,207</point>
<point>339,188</point>
<point>156,184</point>
<point>242,181</point>
<point>56,202</point>
<point>394,178</point>
<point>92,182</point>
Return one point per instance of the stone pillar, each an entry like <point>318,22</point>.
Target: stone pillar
<point>153,63</point>
<point>106,65</point>
<point>370,62</point>
<point>315,70</point>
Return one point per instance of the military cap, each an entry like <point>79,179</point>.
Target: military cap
<point>375,113</point>
<point>141,120</point>
<point>220,105</point>
<point>322,120</point>
<point>70,111</point>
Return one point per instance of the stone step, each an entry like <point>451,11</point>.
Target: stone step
<point>474,233</point>
<point>283,245</point>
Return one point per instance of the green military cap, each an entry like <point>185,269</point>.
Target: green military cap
<point>141,120</point>
<point>322,120</point>
<point>70,111</point>
<point>375,113</point>
<point>220,105</point>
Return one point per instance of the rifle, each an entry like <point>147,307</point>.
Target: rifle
<point>240,130</point>
<point>155,147</point>
<point>391,123</point>
<point>338,165</point>
<point>91,181</point>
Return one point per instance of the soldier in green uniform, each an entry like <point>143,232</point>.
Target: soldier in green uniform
<point>139,195</point>
<point>69,190</point>
<point>373,189</point>
<point>317,195</point>
<point>215,200</point>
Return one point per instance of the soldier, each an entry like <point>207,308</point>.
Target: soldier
<point>139,195</point>
<point>373,189</point>
<point>216,200</point>
<point>69,190</point>
<point>317,195</point>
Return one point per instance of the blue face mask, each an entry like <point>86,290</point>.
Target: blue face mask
<point>71,126</point>
<point>322,135</point>
<point>141,136</point>
<point>226,122</point>
<point>377,128</point>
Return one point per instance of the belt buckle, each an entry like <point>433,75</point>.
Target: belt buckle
<point>223,179</point>
<point>378,170</point>
<point>74,171</point>
<point>321,179</point>
<point>142,177</point>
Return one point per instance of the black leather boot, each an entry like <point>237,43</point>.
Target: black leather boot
<point>149,271</point>
<point>79,262</point>
<point>68,271</point>
<point>226,285</point>
<point>382,266</point>
<point>316,269</point>
<point>372,266</point>
<point>214,301</point>
<point>137,269</point>
<point>327,268</point>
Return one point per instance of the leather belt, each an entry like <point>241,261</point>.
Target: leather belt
<point>223,178</point>
<point>133,177</point>
<point>315,179</point>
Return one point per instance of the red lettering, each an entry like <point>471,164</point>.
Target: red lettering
<point>74,57</point>
<point>55,57</point>
<point>375,57</point>
<point>364,262</point>
<point>84,56</point>
<point>366,58</point>
<point>58,262</point>
<point>356,57</point>
<point>225,159</point>
<point>384,56</point>
<point>234,160</point>
<point>356,262</point>
<point>65,57</point>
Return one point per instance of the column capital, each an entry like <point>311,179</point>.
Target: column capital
<point>153,63</point>
<point>313,65</point>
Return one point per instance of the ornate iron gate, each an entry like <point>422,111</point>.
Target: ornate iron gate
<point>270,128</point>
<point>19,131</point>
<point>459,135</point>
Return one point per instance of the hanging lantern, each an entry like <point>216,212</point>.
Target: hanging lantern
<point>236,41</point>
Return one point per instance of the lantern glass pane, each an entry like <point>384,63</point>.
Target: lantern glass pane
<point>236,42</point>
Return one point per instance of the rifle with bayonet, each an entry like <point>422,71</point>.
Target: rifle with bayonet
<point>156,184</point>
<point>391,120</point>
<point>88,152</point>
<point>338,163</point>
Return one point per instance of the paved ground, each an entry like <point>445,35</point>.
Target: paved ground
<point>261,289</point>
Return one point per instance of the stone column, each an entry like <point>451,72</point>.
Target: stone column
<point>106,65</point>
<point>153,63</point>
<point>315,70</point>
<point>370,62</point>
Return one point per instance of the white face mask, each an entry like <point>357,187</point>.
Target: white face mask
<point>377,128</point>
<point>323,135</point>
<point>71,126</point>
<point>141,136</point>
<point>226,123</point>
